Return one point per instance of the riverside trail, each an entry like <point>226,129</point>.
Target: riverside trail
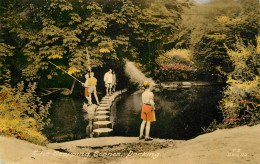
<point>228,146</point>
<point>135,75</point>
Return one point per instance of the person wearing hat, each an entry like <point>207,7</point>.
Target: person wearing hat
<point>148,114</point>
<point>92,87</point>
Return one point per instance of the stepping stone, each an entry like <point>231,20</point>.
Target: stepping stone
<point>103,108</point>
<point>105,102</point>
<point>113,97</point>
<point>102,112</point>
<point>186,83</point>
<point>102,118</point>
<point>102,124</point>
<point>186,86</point>
<point>104,105</point>
<point>108,98</point>
<point>102,132</point>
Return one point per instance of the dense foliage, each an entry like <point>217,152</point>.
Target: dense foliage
<point>22,113</point>
<point>77,35</point>
<point>168,39</point>
<point>241,97</point>
<point>175,65</point>
<point>205,30</point>
<point>65,31</point>
<point>240,104</point>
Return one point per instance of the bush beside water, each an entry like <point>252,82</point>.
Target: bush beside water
<point>22,113</point>
<point>240,104</point>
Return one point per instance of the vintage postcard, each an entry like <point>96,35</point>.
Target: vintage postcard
<point>129,81</point>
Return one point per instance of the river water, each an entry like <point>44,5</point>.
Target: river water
<point>180,114</point>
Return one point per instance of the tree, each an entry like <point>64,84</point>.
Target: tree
<point>206,28</point>
<point>239,105</point>
<point>157,24</point>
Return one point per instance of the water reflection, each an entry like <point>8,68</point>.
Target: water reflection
<point>180,113</point>
<point>67,120</point>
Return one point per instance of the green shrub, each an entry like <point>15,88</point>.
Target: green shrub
<point>240,103</point>
<point>22,113</point>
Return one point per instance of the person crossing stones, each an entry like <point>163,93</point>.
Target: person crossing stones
<point>87,89</point>
<point>108,79</point>
<point>113,81</point>
<point>92,87</point>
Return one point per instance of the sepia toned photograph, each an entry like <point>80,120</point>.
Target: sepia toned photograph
<point>129,82</point>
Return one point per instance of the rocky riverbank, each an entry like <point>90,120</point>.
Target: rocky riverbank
<point>238,145</point>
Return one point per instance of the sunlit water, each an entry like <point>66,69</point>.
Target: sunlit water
<point>180,114</point>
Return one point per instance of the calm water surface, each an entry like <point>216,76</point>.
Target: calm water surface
<point>180,114</point>
<point>67,120</point>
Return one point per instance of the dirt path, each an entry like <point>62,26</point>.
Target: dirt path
<point>229,146</point>
<point>135,75</point>
<point>108,149</point>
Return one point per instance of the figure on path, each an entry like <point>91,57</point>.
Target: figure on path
<point>108,79</point>
<point>92,87</point>
<point>113,81</point>
<point>86,88</point>
<point>148,114</point>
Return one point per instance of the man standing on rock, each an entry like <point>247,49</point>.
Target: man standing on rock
<point>92,83</point>
<point>108,79</point>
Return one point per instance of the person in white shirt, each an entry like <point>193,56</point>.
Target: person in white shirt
<point>108,79</point>
<point>148,114</point>
<point>114,81</point>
